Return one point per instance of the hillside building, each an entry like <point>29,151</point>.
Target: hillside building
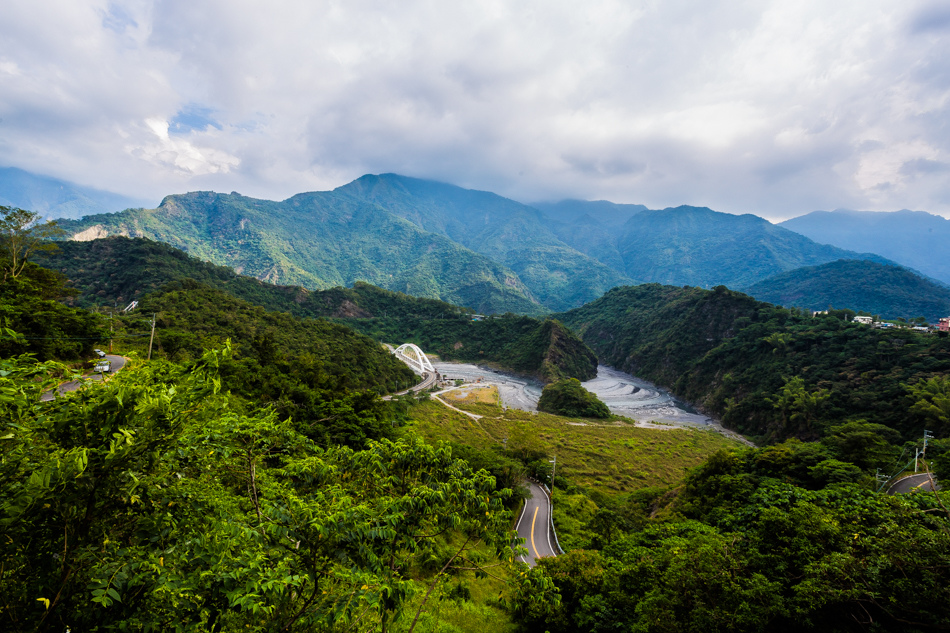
<point>866,320</point>
<point>944,324</point>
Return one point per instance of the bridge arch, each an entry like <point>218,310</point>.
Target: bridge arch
<point>410,354</point>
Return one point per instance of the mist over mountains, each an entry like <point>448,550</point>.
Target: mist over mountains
<point>55,198</point>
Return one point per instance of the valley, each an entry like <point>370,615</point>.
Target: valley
<point>247,435</point>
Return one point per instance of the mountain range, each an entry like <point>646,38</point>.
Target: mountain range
<point>471,248</point>
<point>912,238</point>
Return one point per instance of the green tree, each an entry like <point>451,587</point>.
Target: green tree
<point>568,397</point>
<point>158,500</point>
<point>21,234</point>
<point>931,400</point>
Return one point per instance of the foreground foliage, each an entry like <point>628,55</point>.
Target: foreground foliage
<point>741,549</point>
<point>158,501</point>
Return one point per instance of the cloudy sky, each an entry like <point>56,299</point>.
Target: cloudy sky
<point>774,108</point>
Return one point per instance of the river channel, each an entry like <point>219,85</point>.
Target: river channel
<point>623,394</point>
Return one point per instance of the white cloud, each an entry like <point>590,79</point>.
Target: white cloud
<point>761,107</point>
<point>181,154</point>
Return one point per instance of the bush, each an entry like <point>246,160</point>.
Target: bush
<point>568,397</point>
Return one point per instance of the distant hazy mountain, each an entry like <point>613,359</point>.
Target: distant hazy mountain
<point>54,198</point>
<point>685,245</point>
<point>889,291</point>
<point>319,240</point>
<point>558,275</point>
<point>912,238</point>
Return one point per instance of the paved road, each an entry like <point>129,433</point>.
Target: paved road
<point>427,381</point>
<point>533,525</point>
<point>923,481</point>
<point>118,362</point>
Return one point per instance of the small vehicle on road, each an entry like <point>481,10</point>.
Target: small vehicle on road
<point>99,353</point>
<point>102,366</point>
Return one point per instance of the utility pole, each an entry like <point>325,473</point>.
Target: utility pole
<point>152,338</point>
<point>553,468</point>
<point>111,329</point>
<point>923,451</point>
<point>881,480</point>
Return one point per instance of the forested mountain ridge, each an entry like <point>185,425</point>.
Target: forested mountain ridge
<point>471,248</point>
<point>516,235</point>
<point>318,241</point>
<point>912,238</point>
<point>767,372</point>
<point>119,269</point>
<point>889,291</point>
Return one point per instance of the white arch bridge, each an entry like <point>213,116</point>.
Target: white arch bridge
<point>410,354</point>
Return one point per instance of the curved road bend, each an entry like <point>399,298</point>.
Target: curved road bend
<point>923,481</point>
<point>428,379</point>
<point>118,362</point>
<point>533,525</point>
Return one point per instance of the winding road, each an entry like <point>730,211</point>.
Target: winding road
<point>923,481</point>
<point>534,523</point>
<point>118,362</point>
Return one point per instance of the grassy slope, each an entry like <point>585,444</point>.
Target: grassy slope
<point>607,458</point>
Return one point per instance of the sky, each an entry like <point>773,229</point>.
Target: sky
<point>771,108</point>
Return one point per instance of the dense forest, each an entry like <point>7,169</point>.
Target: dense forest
<point>256,484</point>
<point>768,372</point>
<point>786,538</point>
<point>568,397</point>
<point>116,270</point>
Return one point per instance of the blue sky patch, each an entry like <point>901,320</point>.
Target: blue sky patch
<point>192,117</point>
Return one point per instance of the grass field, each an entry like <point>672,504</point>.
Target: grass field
<point>472,395</point>
<point>612,457</point>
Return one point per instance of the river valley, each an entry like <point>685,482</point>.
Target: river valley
<point>623,394</point>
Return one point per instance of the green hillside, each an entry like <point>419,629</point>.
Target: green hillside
<point>558,275</point>
<point>888,291</point>
<point>767,372</point>
<point>318,241</point>
<point>119,269</point>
